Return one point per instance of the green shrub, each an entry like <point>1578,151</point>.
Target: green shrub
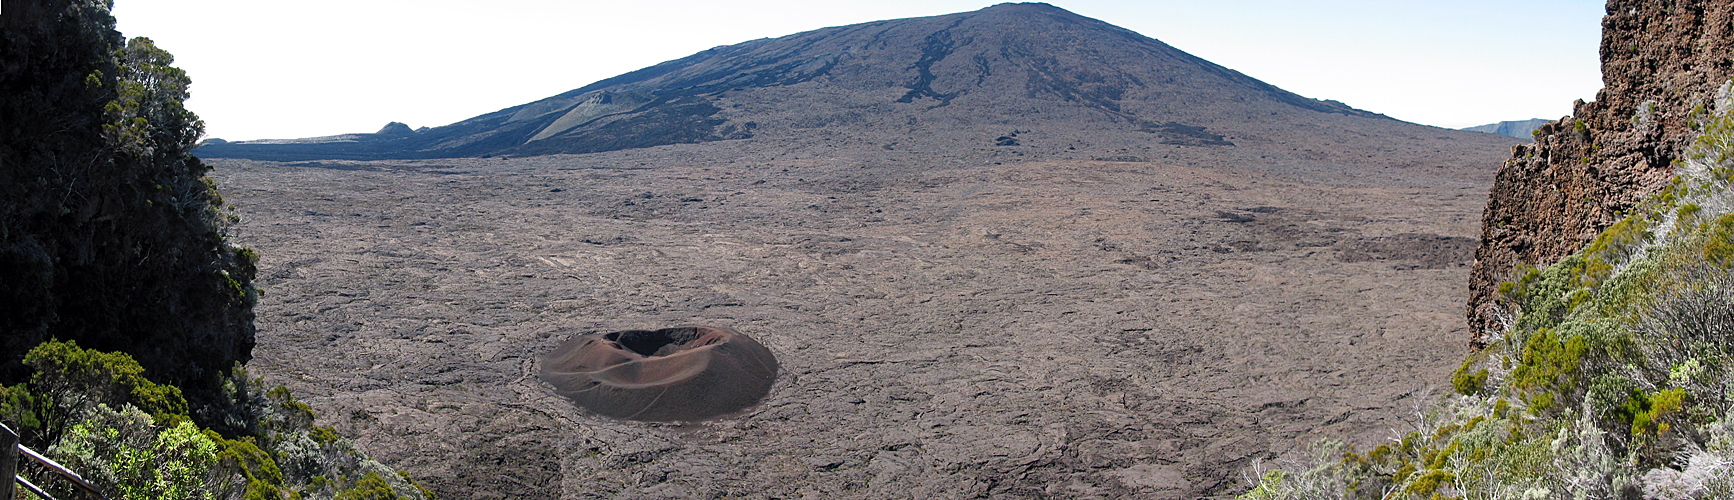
<point>20,406</point>
<point>1719,241</point>
<point>1548,369</point>
<point>244,457</point>
<point>123,452</point>
<point>1468,383</point>
<point>76,378</point>
<point>1648,410</point>
<point>370,487</point>
<point>324,435</point>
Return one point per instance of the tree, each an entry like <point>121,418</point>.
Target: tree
<point>110,234</point>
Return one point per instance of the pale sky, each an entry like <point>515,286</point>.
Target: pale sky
<point>274,70</point>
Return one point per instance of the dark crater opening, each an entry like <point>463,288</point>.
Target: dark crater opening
<point>654,342</point>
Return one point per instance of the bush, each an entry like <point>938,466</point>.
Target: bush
<point>1468,383</point>
<point>76,379</point>
<point>122,452</point>
<point>370,487</point>
<point>118,446</point>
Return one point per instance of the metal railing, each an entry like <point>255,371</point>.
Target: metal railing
<point>9,448</point>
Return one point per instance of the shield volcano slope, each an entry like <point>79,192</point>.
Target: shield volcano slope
<point>929,83</point>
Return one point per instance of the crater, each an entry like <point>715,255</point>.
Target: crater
<point>686,373</point>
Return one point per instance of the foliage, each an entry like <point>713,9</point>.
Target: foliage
<point>1466,382</point>
<point>75,378</point>
<point>370,487</point>
<point>281,454</point>
<point>1323,480</point>
<point>112,238</point>
<point>121,450</point>
<point>20,406</point>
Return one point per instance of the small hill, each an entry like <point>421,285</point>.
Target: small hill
<point>1517,128</point>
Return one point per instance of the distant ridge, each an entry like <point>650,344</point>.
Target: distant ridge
<point>1031,63</point>
<point>1520,129</point>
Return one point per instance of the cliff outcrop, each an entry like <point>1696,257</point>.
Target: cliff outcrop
<point>1664,65</point>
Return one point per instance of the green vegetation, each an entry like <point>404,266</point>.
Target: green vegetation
<point>93,411</point>
<point>76,377</point>
<point>370,487</point>
<point>1610,379</point>
<point>124,449</point>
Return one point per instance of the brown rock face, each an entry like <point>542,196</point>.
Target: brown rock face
<point>1662,66</point>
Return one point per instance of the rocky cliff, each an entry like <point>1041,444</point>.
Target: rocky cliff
<point>1664,65</point>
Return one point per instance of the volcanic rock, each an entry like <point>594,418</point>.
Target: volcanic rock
<point>1664,66</point>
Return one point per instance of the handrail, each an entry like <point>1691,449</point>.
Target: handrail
<point>63,471</point>
<point>33,488</point>
<point>9,445</point>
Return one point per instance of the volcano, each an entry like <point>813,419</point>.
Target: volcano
<point>1016,66</point>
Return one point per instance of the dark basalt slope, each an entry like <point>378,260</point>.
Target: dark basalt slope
<point>1032,60</point>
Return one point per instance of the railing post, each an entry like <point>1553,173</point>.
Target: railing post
<point>8,462</point>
